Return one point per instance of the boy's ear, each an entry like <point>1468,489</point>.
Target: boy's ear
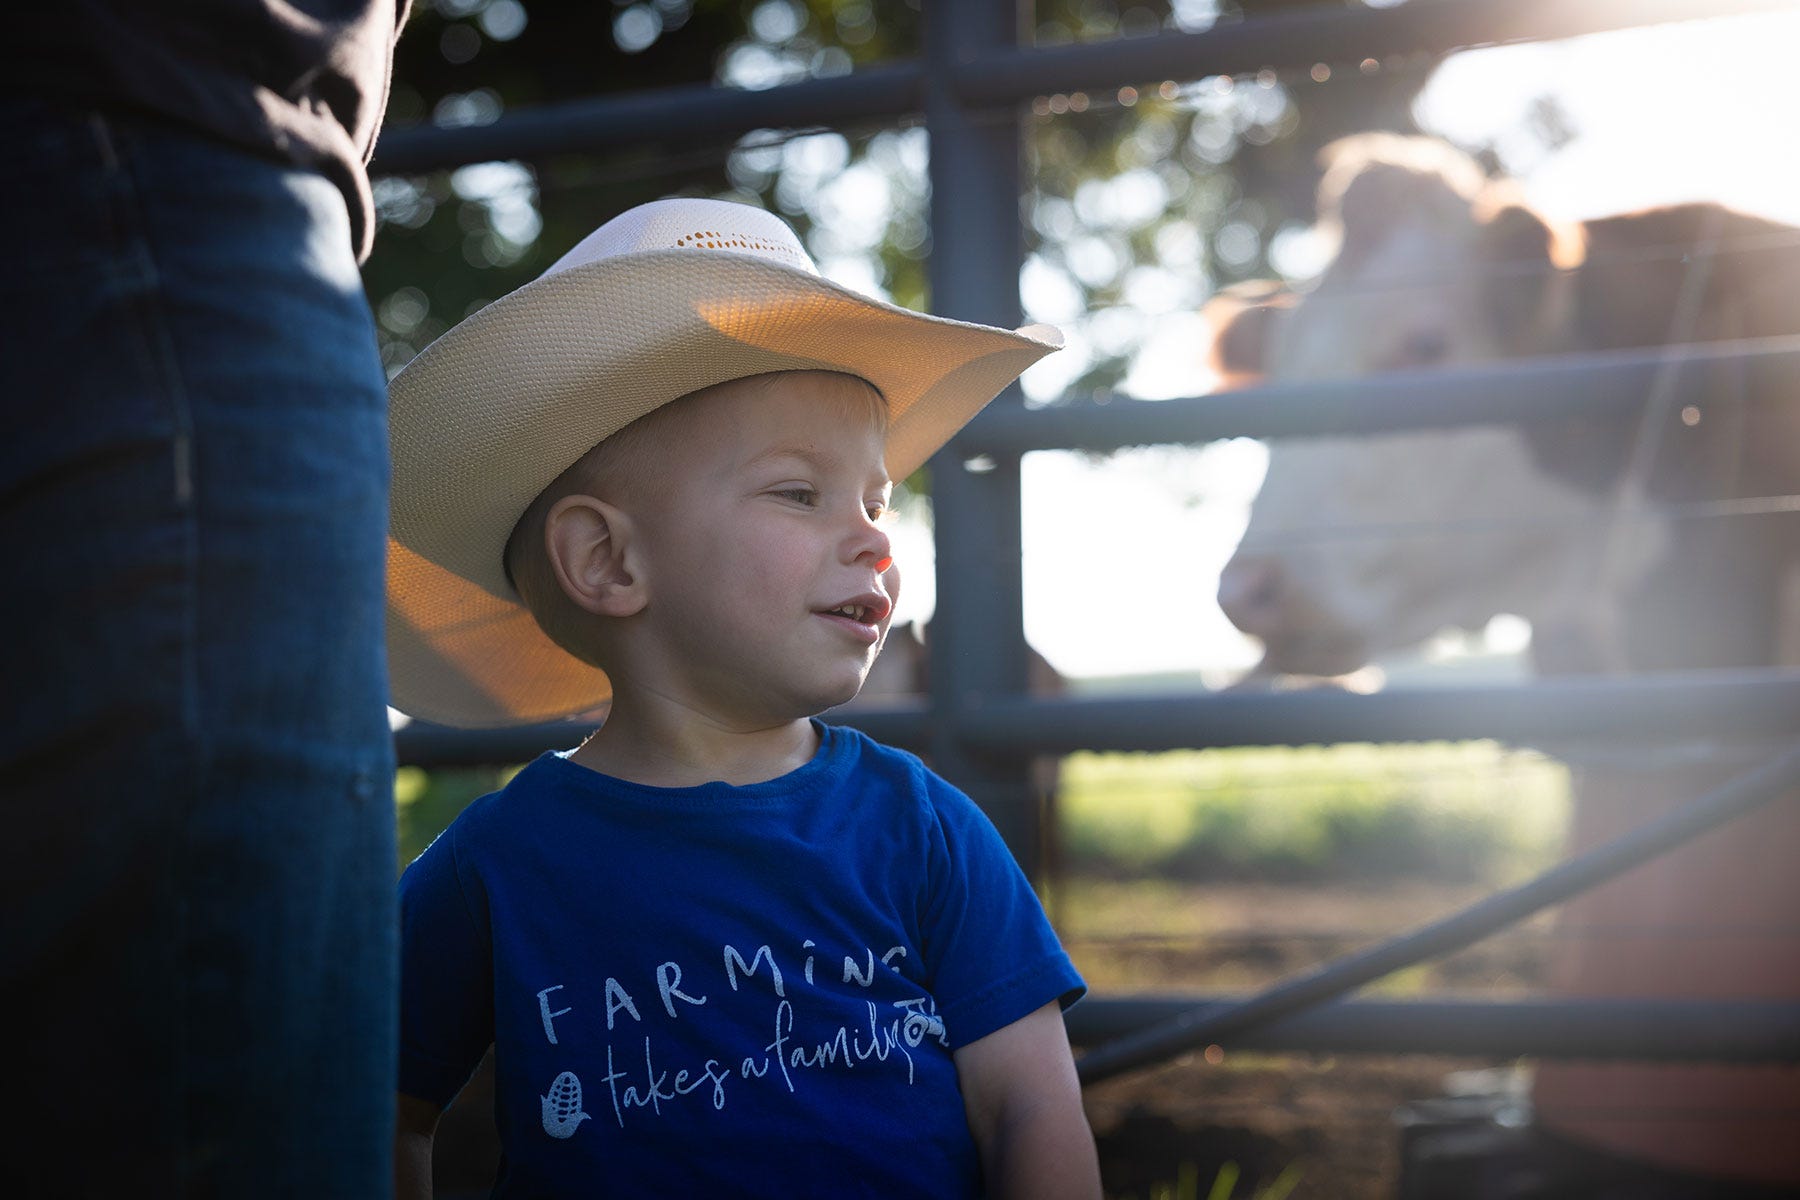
<point>589,546</point>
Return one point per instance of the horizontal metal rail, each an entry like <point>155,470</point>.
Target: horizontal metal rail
<point>629,120</point>
<point>423,744</point>
<point>1713,704</point>
<point>892,90</point>
<point>1193,1029</point>
<point>1320,34</point>
<point>1747,704</point>
<point>1510,393</point>
<point>1641,1030</point>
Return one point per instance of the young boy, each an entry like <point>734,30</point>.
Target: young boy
<point>721,948</point>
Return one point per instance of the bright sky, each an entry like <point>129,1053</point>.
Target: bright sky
<point>1122,555</point>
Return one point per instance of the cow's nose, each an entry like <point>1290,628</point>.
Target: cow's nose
<point>1250,591</point>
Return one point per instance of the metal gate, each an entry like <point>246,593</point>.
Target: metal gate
<point>980,729</point>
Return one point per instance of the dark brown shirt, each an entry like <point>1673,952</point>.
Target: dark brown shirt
<point>304,81</point>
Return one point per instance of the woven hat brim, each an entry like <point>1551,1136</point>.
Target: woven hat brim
<point>490,413</point>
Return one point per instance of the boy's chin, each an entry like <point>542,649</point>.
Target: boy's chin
<point>778,706</point>
<point>839,695</point>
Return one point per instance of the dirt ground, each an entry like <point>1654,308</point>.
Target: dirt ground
<point>1304,1127</point>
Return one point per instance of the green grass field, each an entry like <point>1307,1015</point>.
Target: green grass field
<point>1452,811</point>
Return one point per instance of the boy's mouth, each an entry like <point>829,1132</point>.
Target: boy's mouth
<point>856,612</point>
<point>868,609</point>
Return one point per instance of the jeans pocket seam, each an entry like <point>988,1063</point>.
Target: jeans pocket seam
<point>160,364</point>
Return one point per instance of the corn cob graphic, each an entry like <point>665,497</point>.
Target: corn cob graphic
<point>562,1106</point>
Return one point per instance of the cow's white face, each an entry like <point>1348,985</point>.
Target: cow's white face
<point>1357,546</point>
<point>1360,545</point>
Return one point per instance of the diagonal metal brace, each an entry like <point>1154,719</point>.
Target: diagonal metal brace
<point>1200,1027</point>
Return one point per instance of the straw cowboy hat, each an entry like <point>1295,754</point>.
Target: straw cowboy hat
<point>663,300</point>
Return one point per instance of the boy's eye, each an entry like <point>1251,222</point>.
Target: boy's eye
<point>878,511</point>
<point>799,495</point>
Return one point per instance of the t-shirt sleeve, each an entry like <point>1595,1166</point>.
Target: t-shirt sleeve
<point>446,993</point>
<point>990,951</point>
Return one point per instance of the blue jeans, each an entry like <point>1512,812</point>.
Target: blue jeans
<point>197,863</point>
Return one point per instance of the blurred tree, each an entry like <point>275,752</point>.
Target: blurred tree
<point>1146,201</point>
<point>1138,203</point>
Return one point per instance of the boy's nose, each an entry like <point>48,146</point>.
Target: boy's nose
<point>871,544</point>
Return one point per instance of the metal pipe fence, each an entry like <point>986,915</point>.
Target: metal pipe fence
<point>1638,1030</point>
<point>969,83</point>
<point>1185,1031</point>
<point>995,73</point>
<point>1520,391</point>
<point>1720,705</point>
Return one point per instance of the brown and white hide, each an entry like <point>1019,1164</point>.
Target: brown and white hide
<point>1439,266</point>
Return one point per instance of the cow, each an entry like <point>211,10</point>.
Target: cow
<point>1438,266</point>
<point>1602,531</point>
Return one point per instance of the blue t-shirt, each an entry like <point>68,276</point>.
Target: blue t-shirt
<point>732,991</point>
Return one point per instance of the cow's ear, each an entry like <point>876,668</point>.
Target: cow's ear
<point>1523,259</point>
<point>1241,320</point>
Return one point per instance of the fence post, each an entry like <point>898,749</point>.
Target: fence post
<point>977,644</point>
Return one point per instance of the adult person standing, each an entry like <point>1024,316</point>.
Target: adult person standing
<point>196,770</point>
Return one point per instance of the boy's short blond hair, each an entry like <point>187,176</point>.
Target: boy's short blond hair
<point>616,471</point>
